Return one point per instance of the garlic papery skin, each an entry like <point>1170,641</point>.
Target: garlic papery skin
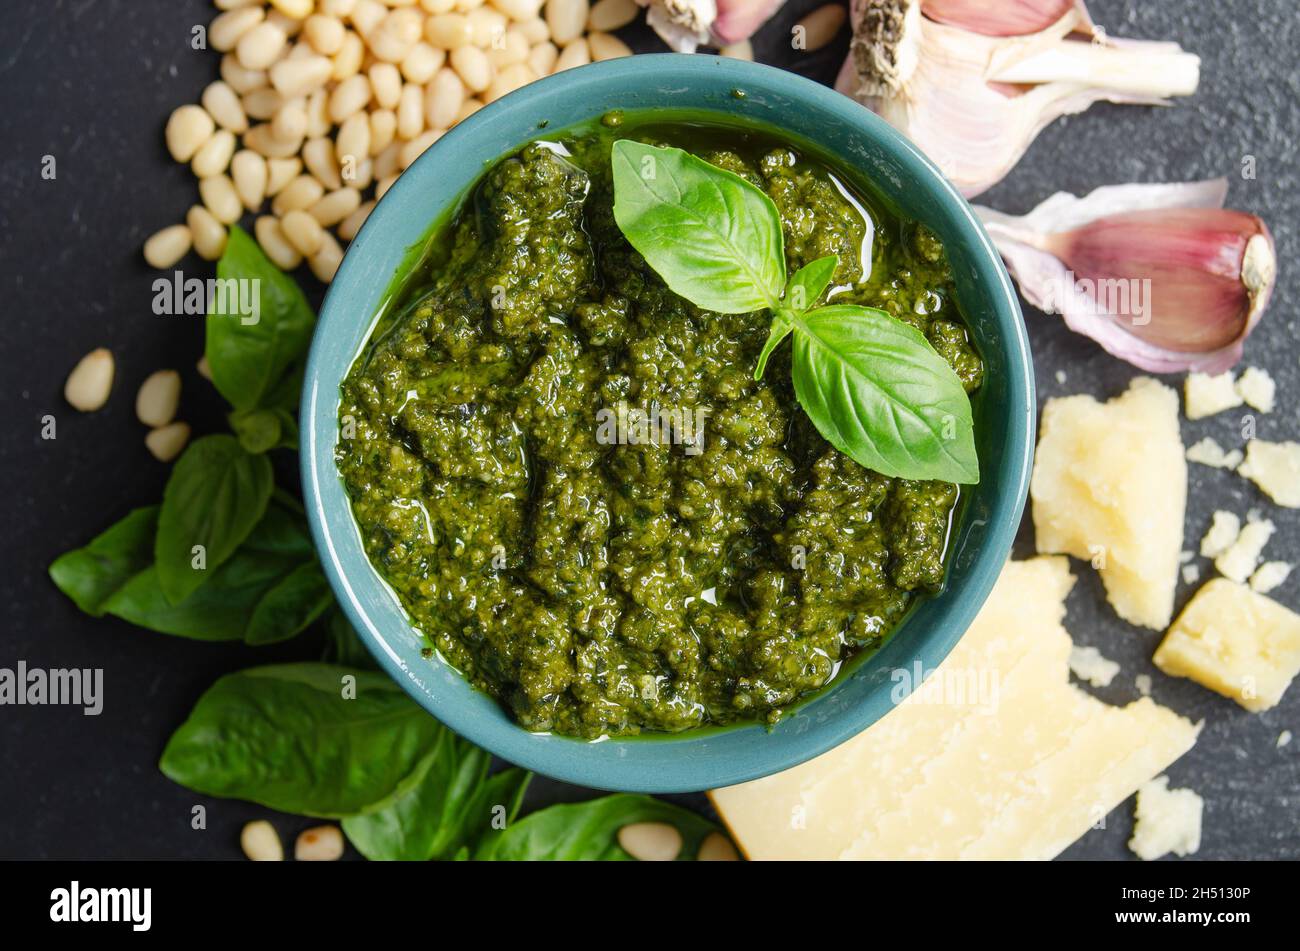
<point>974,103</point>
<point>687,24</point>
<point>1161,276</point>
<point>998,17</point>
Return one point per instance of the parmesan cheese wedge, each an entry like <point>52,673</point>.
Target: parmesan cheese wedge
<point>1021,777</point>
<point>1236,642</point>
<point>1110,487</point>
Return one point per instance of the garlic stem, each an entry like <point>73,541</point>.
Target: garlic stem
<point>1138,71</point>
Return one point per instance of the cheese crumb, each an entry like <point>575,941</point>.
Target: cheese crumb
<point>1167,820</point>
<point>1143,684</point>
<point>1110,487</point>
<point>1191,574</point>
<point>1088,664</point>
<point>1223,532</point>
<point>1257,388</point>
<point>1239,559</point>
<point>1209,453</point>
<point>1206,395</point>
<point>1283,738</point>
<point>1236,642</point>
<point>1275,468</point>
<point>1269,575</point>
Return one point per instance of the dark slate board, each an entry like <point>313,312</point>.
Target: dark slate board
<point>91,84</point>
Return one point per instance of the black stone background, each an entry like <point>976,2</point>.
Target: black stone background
<point>91,82</point>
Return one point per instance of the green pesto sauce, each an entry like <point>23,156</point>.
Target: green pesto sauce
<point>612,589</point>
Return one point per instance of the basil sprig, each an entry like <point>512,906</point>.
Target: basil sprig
<point>871,384</point>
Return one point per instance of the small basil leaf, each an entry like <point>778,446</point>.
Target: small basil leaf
<point>291,606</point>
<point>258,325</point>
<point>258,430</point>
<point>809,283</point>
<point>781,327</point>
<point>310,739</point>
<point>588,831</point>
<point>216,494</point>
<point>713,237</point>
<point>90,576</point>
<point>877,391</point>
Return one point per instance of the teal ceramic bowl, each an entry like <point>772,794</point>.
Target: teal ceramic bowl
<point>847,135</point>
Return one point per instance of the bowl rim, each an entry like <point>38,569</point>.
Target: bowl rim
<point>563,757</point>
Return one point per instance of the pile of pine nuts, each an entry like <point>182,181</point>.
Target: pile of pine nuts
<point>323,103</point>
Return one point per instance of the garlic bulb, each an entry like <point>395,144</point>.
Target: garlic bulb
<point>686,24</point>
<point>973,100</point>
<point>1160,275</point>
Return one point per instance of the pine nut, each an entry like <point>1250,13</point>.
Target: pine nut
<point>166,442</point>
<point>410,112</point>
<point>303,192</point>
<point>302,231</point>
<point>508,79</point>
<point>469,107</point>
<point>716,847</point>
<point>249,172</point>
<point>325,262</point>
<point>518,10</point>
<point>318,113</point>
<point>226,30</point>
<point>241,80</point>
<point>384,184</point>
<point>188,129</point>
<point>742,50</point>
<point>321,844</point>
<point>443,97</point>
<point>512,49</point>
<point>337,8</point>
<point>465,6</point>
<point>91,380</point>
<point>367,15</point>
<point>383,129</point>
<point>388,162</point>
<point>608,15</point>
<point>348,60</point>
<point>324,33</point>
<point>220,198</point>
<point>348,97</point>
<point>353,139</point>
<point>473,67</point>
<point>418,146</point>
<point>435,7</point>
<point>448,31</point>
<point>277,247</point>
<point>422,62</point>
<point>262,104</point>
<point>222,104</point>
<point>651,841</point>
<point>577,53</point>
<point>535,30</point>
<point>214,157</point>
<point>290,122</point>
<point>396,35</point>
<point>158,397</point>
<point>350,226</point>
<point>208,233</point>
<point>820,26</point>
<point>164,248</point>
<point>261,46</point>
<point>299,77</point>
<point>385,84</point>
<point>336,206</point>
<point>297,9</point>
<point>542,58</point>
<point>566,18</point>
<point>279,172</point>
<point>318,157</point>
<point>606,46</point>
<point>488,27</point>
<point>358,174</point>
<point>261,843</point>
<point>262,141</point>
<point>204,368</point>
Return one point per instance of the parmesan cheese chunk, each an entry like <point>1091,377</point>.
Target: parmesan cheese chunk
<point>1236,642</point>
<point>1088,664</point>
<point>1110,487</point>
<point>1269,575</point>
<point>936,778</point>
<point>1209,453</point>
<point>1223,531</point>
<point>1275,468</point>
<point>1257,388</point>
<point>1206,395</point>
<point>1166,820</point>
<point>1239,559</point>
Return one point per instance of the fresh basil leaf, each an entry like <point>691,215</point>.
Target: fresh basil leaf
<point>250,353</point>
<point>588,831</point>
<point>809,283</point>
<point>258,430</point>
<point>227,605</point>
<point>449,807</point>
<point>291,606</point>
<point>781,327</point>
<point>216,494</point>
<point>877,391</point>
<point>289,737</point>
<point>713,237</point>
<point>91,575</point>
<point>343,646</point>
